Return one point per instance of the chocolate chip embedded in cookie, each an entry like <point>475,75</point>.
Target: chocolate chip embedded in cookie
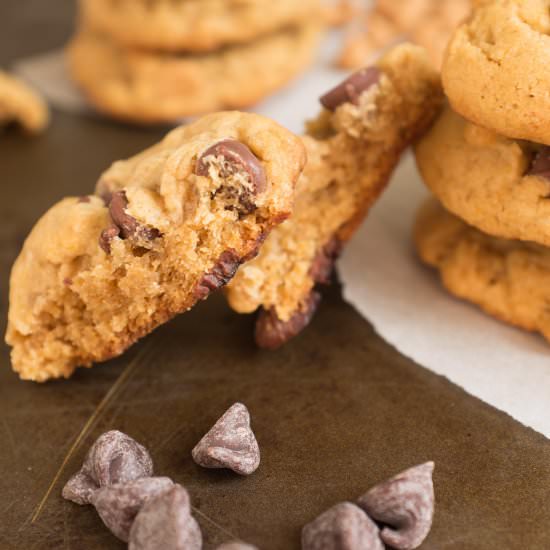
<point>193,26</point>
<point>166,228</point>
<point>499,185</point>
<point>144,86</point>
<point>20,104</point>
<point>508,279</point>
<point>496,71</point>
<point>351,89</point>
<point>353,147</point>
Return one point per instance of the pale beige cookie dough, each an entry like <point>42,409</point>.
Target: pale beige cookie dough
<point>352,151</point>
<point>496,184</point>
<point>193,25</point>
<point>20,104</point>
<point>164,229</point>
<point>497,68</point>
<point>510,280</point>
<point>150,87</point>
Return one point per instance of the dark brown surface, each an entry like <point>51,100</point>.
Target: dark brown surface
<point>335,411</point>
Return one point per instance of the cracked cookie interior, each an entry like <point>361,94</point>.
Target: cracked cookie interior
<point>352,151</point>
<point>99,272</point>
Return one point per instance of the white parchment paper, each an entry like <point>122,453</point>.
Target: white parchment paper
<point>382,278</point>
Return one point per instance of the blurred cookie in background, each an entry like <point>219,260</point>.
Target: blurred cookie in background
<point>21,105</point>
<point>147,87</point>
<point>155,62</point>
<point>428,23</point>
<point>176,25</point>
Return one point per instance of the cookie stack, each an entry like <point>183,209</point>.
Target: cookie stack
<point>151,61</point>
<point>489,231</point>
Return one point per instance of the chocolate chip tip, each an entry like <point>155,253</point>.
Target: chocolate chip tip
<point>350,90</point>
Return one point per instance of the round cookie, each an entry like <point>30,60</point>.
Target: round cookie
<point>510,280</point>
<point>150,87</point>
<point>498,185</point>
<point>18,103</point>
<point>194,25</point>
<point>496,70</point>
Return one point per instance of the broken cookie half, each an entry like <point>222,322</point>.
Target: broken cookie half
<point>353,147</point>
<point>163,230</point>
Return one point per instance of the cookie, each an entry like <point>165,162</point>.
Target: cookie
<point>149,87</point>
<point>193,25</point>
<point>508,279</point>
<point>496,184</point>
<point>428,23</point>
<point>164,229</point>
<point>353,147</point>
<point>496,71</point>
<point>20,104</point>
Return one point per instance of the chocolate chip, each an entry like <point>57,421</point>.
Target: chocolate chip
<point>165,522</point>
<point>113,458</point>
<point>124,225</point>
<point>271,332</point>
<point>405,504</point>
<point>106,237</point>
<point>222,272</point>
<point>323,263</point>
<point>541,164</point>
<point>230,443</point>
<point>118,505</point>
<point>236,546</point>
<point>351,89</point>
<point>342,527</point>
<point>226,159</point>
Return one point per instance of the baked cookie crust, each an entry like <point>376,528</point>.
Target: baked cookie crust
<point>20,104</point>
<point>193,25</point>
<point>507,279</point>
<point>496,184</point>
<point>496,71</point>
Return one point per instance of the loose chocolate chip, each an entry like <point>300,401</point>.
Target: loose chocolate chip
<point>272,333</point>
<point>230,443</point>
<point>118,505</point>
<point>541,164</point>
<point>323,263</point>
<point>342,527</point>
<point>236,546</point>
<point>236,157</point>
<point>165,522</point>
<point>405,504</point>
<point>222,272</point>
<point>113,458</point>
<point>351,89</point>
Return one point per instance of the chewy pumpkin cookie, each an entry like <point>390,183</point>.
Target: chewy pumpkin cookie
<point>20,104</point>
<point>353,147</point>
<point>148,86</point>
<point>193,25</point>
<point>508,279</point>
<point>496,71</point>
<point>499,185</point>
<point>164,229</point>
